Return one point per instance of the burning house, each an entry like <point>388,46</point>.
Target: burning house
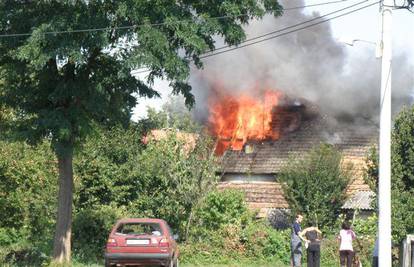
<point>258,128</point>
<point>257,135</point>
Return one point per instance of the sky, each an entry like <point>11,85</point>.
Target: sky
<point>363,25</point>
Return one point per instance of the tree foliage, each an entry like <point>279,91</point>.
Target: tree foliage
<point>227,231</point>
<point>402,180</point>
<point>402,174</point>
<point>403,150</point>
<point>315,184</point>
<point>173,114</point>
<point>24,179</point>
<point>63,82</point>
<point>371,169</point>
<point>62,78</point>
<point>171,180</point>
<point>160,179</point>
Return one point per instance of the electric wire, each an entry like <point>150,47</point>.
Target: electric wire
<point>292,31</point>
<point>152,24</point>
<point>277,31</point>
<point>292,26</point>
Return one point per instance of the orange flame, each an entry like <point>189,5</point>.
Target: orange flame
<point>235,120</point>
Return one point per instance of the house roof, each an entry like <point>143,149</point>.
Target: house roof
<point>269,157</point>
<point>267,196</point>
<point>189,139</point>
<point>272,156</point>
<point>361,200</point>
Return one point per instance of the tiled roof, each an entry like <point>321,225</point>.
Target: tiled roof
<point>189,139</point>
<point>267,196</point>
<point>361,200</point>
<point>269,157</point>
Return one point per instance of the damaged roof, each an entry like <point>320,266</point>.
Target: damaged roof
<point>269,157</point>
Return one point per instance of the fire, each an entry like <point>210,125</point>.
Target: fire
<point>235,120</point>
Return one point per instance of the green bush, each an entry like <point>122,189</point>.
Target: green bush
<point>27,180</point>
<point>262,241</point>
<point>366,227</point>
<point>222,208</point>
<point>9,236</point>
<point>26,173</point>
<point>315,184</point>
<point>226,231</point>
<point>91,228</point>
<point>160,179</point>
<point>330,250</point>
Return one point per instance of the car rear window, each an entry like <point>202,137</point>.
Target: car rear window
<point>139,229</point>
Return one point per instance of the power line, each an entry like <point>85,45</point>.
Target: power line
<point>281,30</point>
<point>292,31</point>
<point>292,26</point>
<point>151,24</point>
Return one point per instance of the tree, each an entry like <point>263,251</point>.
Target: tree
<point>161,179</point>
<point>371,168</point>
<point>315,185</point>
<point>172,179</point>
<point>173,114</point>
<point>61,77</point>
<point>402,179</point>
<point>402,173</point>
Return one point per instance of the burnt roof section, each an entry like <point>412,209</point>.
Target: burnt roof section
<point>269,157</point>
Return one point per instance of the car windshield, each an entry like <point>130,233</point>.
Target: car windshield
<point>139,229</point>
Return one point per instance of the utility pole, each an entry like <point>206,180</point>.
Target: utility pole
<point>384,184</point>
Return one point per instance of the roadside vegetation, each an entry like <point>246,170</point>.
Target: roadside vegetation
<point>117,175</point>
<point>64,81</point>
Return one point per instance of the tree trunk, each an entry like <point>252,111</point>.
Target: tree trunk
<point>63,231</point>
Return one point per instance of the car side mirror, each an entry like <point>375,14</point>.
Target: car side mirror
<point>175,236</point>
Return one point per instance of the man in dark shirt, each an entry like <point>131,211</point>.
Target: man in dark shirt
<point>296,243</point>
<point>312,237</point>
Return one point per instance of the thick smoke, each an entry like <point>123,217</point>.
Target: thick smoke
<point>307,64</point>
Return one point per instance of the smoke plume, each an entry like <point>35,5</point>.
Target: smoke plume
<point>308,64</point>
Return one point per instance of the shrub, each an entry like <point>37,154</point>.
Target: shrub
<point>9,236</point>
<point>330,250</point>
<point>315,185</point>
<point>225,230</point>
<point>366,227</point>
<point>26,173</point>
<point>219,209</point>
<point>262,241</point>
<point>161,179</point>
<point>91,228</point>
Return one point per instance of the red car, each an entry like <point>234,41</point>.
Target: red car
<point>141,242</point>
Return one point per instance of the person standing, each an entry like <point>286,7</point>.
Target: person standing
<point>312,237</point>
<point>346,251</point>
<point>296,242</point>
